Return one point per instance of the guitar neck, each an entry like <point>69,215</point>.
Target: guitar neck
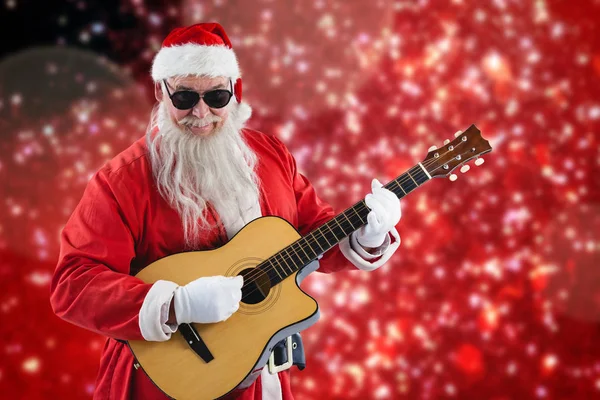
<point>304,250</point>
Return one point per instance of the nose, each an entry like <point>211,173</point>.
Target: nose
<point>200,110</point>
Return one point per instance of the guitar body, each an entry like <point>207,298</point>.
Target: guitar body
<point>243,342</point>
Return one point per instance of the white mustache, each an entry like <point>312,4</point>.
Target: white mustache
<point>191,121</point>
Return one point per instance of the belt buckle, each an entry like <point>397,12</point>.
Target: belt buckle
<point>273,369</point>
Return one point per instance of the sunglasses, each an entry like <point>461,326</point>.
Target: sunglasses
<point>186,99</point>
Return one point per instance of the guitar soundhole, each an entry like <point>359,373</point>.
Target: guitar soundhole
<point>256,286</point>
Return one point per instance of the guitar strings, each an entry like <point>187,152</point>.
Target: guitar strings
<point>361,207</point>
<point>296,247</point>
<point>253,276</point>
<point>257,272</point>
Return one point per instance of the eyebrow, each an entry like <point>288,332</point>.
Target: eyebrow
<point>183,87</point>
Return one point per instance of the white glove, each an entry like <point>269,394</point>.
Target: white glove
<point>384,215</point>
<point>209,299</point>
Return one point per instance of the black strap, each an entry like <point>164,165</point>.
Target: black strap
<point>280,352</point>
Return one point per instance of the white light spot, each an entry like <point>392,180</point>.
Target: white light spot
<point>541,391</point>
<point>84,37</point>
<point>550,361</point>
<point>40,278</point>
<point>450,389</point>
<point>16,99</point>
<point>594,112</point>
<point>31,365</point>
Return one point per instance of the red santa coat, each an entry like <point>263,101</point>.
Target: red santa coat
<point>122,224</point>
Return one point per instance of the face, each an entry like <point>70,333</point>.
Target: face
<point>200,120</point>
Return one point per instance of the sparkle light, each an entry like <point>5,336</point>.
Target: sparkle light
<point>31,365</point>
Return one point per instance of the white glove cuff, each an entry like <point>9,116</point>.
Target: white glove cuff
<point>366,265</point>
<point>151,318</point>
<point>379,250</point>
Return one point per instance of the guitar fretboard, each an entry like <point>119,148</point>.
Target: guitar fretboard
<point>308,248</point>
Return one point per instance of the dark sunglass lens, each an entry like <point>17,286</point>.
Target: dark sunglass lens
<point>185,100</point>
<point>217,98</point>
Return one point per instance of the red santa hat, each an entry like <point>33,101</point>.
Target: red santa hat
<point>200,49</point>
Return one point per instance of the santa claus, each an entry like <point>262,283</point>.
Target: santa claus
<point>194,180</point>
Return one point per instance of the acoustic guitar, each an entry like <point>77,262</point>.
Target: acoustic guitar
<point>208,361</point>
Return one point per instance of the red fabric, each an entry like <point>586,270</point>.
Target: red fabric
<point>203,34</point>
<point>122,224</point>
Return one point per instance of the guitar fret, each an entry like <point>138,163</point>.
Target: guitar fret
<point>283,258</point>
<point>407,184</point>
<point>338,224</point>
<point>275,267</point>
<point>283,264</point>
<point>302,248</point>
<point>287,254</point>
<point>345,216</point>
<point>331,230</point>
<point>316,241</point>
<point>333,233</point>
<point>296,259</point>
<point>359,217</point>
<point>400,186</point>
<point>271,272</point>
<point>413,179</point>
<point>323,235</point>
<point>293,253</point>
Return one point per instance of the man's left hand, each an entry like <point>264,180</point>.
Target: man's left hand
<point>384,215</point>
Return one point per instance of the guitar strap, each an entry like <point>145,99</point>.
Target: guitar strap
<point>280,352</point>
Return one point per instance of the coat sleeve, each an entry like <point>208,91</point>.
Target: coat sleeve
<point>314,212</point>
<point>91,286</point>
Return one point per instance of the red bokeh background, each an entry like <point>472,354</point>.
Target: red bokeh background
<point>495,290</point>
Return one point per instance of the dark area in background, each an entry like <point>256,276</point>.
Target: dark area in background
<point>121,39</point>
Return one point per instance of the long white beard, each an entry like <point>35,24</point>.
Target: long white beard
<point>191,170</point>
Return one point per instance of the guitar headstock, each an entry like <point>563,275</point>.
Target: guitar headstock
<point>466,146</point>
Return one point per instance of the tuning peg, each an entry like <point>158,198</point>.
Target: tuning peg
<point>432,148</point>
<point>453,177</point>
<point>458,133</point>
<point>479,161</point>
<point>446,141</point>
<point>464,168</point>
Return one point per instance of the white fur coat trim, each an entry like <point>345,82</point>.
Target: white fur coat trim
<point>353,253</point>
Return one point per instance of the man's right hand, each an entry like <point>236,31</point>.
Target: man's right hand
<point>209,299</point>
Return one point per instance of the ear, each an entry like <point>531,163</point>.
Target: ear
<point>158,91</point>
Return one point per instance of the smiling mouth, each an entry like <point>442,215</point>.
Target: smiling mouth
<point>201,126</point>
